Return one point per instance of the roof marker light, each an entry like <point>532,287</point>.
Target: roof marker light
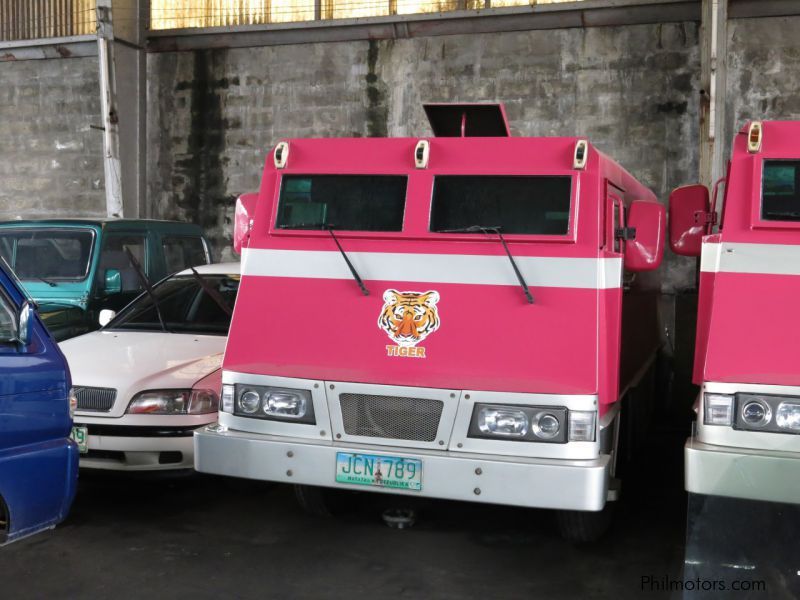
<point>754,137</point>
<point>421,154</point>
<point>281,155</point>
<point>581,151</point>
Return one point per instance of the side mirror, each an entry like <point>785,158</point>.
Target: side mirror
<point>689,216</point>
<point>105,316</point>
<point>242,220</point>
<point>112,281</point>
<point>25,324</point>
<point>644,251</point>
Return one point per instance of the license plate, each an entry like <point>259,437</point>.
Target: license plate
<point>396,472</point>
<point>81,437</point>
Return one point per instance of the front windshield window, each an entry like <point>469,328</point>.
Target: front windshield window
<point>185,306</point>
<point>781,190</point>
<point>532,205</point>
<point>342,202</point>
<point>47,254</point>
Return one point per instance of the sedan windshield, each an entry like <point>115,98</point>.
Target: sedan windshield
<point>47,254</point>
<point>185,306</point>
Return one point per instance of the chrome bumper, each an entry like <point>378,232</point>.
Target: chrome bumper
<point>742,473</point>
<point>535,483</point>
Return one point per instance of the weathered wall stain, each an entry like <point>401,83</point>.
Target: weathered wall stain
<point>377,110</point>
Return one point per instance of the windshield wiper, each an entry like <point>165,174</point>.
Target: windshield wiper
<point>350,266</point>
<point>215,295</point>
<point>147,288</point>
<point>304,226</point>
<point>496,230</point>
<point>330,227</point>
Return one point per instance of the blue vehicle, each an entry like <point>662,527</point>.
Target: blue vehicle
<point>38,461</point>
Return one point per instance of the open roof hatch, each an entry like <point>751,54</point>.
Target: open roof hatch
<point>467,120</point>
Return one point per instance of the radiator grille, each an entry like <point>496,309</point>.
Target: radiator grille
<point>96,399</point>
<point>391,417</point>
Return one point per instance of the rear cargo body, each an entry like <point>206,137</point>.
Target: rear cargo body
<point>748,326</point>
<point>402,369</point>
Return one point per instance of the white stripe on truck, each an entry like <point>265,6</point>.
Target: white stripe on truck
<point>562,272</point>
<point>765,259</point>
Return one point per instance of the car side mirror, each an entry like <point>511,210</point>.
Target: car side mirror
<point>242,220</point>
<point>647,222</point>
<point>689,219</point>
<point>112,281</point>
<point>105,316</point>
<point>25,324</point>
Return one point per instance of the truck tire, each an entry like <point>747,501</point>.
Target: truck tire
<point>583,527</point>
<point>313,500</point>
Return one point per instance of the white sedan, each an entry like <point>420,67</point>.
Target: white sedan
<point>151,376</point>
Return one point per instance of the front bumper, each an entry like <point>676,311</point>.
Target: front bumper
<point>536,483</point>
<point>742,473</point>
<point>150,453</point>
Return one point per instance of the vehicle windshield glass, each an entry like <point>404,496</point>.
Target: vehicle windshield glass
<point>185,306</point>
<point>532,205</point>
<point>343,202</point>
<point>51,254</point>
<point>780,199</point>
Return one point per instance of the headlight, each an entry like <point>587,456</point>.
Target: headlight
<point>788,416</point>
<point>518,423</point>
<point>767,412</point>
<point>756,413</point>
<point>582,426</point>
<point>502,422</point>
<point>274,403</point>
<point>718,409</point>
<point>173,402</point>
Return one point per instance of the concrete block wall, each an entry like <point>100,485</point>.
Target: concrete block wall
<point>51,161</point>
<point>213,115</point>
<point>763,76</point>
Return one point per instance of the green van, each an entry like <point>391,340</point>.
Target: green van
<point>74,268</point>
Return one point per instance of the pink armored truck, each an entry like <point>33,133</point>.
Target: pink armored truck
<point>742,462</point>
<point>746,442</point>
<point>454,317</point>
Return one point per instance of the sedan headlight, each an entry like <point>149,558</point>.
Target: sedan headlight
<point>274,403</point>
<point>174,402</point>
<point>519,423</point>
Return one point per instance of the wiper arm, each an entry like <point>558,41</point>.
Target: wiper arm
<point>215,295</point>
<point>496,229</point>
<point>304,226</point>
<point>350,266</point>
<point>147,288</point>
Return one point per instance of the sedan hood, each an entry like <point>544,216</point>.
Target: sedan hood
<point>132,361</point>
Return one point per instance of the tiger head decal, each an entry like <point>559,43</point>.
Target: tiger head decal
<point>409,317</point>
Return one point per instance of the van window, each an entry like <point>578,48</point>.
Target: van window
<point>7,320</point>
<point>182,252</point>
<point>114,256</point>
<point>38,253</point>
<point>344,202</point>
<point>780,199</point>
<point>534,205</point>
